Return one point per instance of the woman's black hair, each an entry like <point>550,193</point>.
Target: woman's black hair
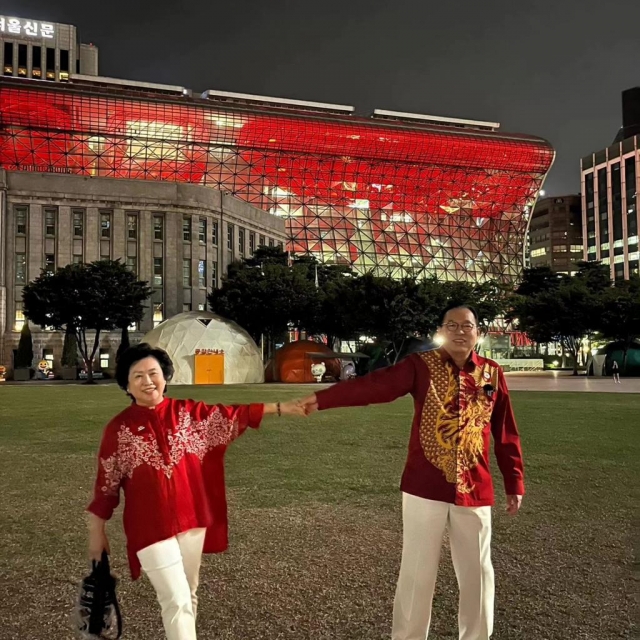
<point>139,352</point>
<point>451,307</point>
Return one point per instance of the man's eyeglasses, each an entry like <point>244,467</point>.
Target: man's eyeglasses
<point>452,327</point>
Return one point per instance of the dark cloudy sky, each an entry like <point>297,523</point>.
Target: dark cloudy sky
<point>554,68</point>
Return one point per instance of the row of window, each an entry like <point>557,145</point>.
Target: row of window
<point>78,222</point>
<point>42,59</point>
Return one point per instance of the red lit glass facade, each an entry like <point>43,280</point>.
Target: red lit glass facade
<point>393,198</point>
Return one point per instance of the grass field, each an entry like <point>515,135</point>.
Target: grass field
<point>315,521</point>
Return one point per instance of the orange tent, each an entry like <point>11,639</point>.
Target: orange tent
<point>292,363</point>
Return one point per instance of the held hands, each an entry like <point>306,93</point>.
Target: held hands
<point>301,407</point>
<point>98,542</point>
<point>513,505</point>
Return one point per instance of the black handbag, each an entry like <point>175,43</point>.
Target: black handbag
<point>98,612</point>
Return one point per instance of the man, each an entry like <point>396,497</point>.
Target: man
<point>460,400</point>
<point>616,372</point>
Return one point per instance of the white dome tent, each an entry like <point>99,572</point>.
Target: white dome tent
<point>183,334</point>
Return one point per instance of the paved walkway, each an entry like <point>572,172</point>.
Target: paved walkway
<point>549,381</point>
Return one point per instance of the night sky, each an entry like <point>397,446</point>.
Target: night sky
<point>553,68</point>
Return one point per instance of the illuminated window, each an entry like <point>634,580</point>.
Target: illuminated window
<point>105,224</point>
<point>47,354</point>
<point>132,226</point>
<point>575,248</point>
<point>202,273</point>
<point>158,316</point>
<point>50,222</point>
<point>158,227</point>
<point>78,223</point>
<point>36,65</point>
<point>538,252</point>
<point>49,262</point>
<point>104,359</point>
<point>8,58</point>
<point>21,268</point>
<point>19,319</point>
<point>157,272</point>
<point>21,220</point>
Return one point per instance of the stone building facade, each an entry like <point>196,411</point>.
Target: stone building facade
<point>178,237</point>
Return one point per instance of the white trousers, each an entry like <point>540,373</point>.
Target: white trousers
<point>173,568</point>
<point>424,525</point>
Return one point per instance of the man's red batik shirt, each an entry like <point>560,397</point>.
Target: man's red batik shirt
<point>456,413</point>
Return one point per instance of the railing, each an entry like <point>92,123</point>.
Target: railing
<point>512,364</point>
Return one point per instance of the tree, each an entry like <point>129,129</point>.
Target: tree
<point>619,317</point>
<point>24,357</point>
<point>97,297</point>
<point>69,348</point>
<point>124,342</point>
<point>565,315</point>
<point>538,280</point>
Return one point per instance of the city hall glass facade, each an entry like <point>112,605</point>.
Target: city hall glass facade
<point>395,197</point>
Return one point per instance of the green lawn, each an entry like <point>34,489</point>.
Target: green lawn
<point>315,521</point>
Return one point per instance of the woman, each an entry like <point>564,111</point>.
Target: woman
<point>167,456</point>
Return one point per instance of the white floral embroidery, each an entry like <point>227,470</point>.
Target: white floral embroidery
<point>187,437</point>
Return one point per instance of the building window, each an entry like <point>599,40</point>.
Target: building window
<point>36,64</point>
<point>21,268</point>
<point>230,237</point>
<point>201,307</point>
<point>214,233</point>
<point>51,63</point>
<point>158,228</point>
<point>186,272</point>
<point>50,222</point>
<point>241,241</point>
<point>78,223</point>
<point>252,243</point>
<point>263,242</point>
<point>186,307</point>
<point>105,224</point>
<point>157,272</point>
<point>538,252</point>
<point>157,314</point>
<point>21,220</point>
<point>202,230</point>
<point>132,226</point>
<point>104,359</point>
<point>77,259</point>
<point>280,246</point>
<point>271,243</point>
<point>8,58</point>
<point>560,248</point>
<point>575,248</point>
<point>214,275</point>
<point>49,262</point>
<point>18,322</point>
<point>22,60</point>
<point>202,273</point>
<point>132,264</point>
<point>186,229</point>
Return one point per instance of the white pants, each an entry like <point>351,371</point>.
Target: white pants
<point>173,567</point>
<point>424,524</point>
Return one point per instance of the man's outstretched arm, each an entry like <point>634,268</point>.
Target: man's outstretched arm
<point>381,386</point>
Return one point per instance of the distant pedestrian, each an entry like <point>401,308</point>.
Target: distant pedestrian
<point>616,372</point>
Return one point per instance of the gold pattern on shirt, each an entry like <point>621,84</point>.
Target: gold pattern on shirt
<point>454,418</point>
